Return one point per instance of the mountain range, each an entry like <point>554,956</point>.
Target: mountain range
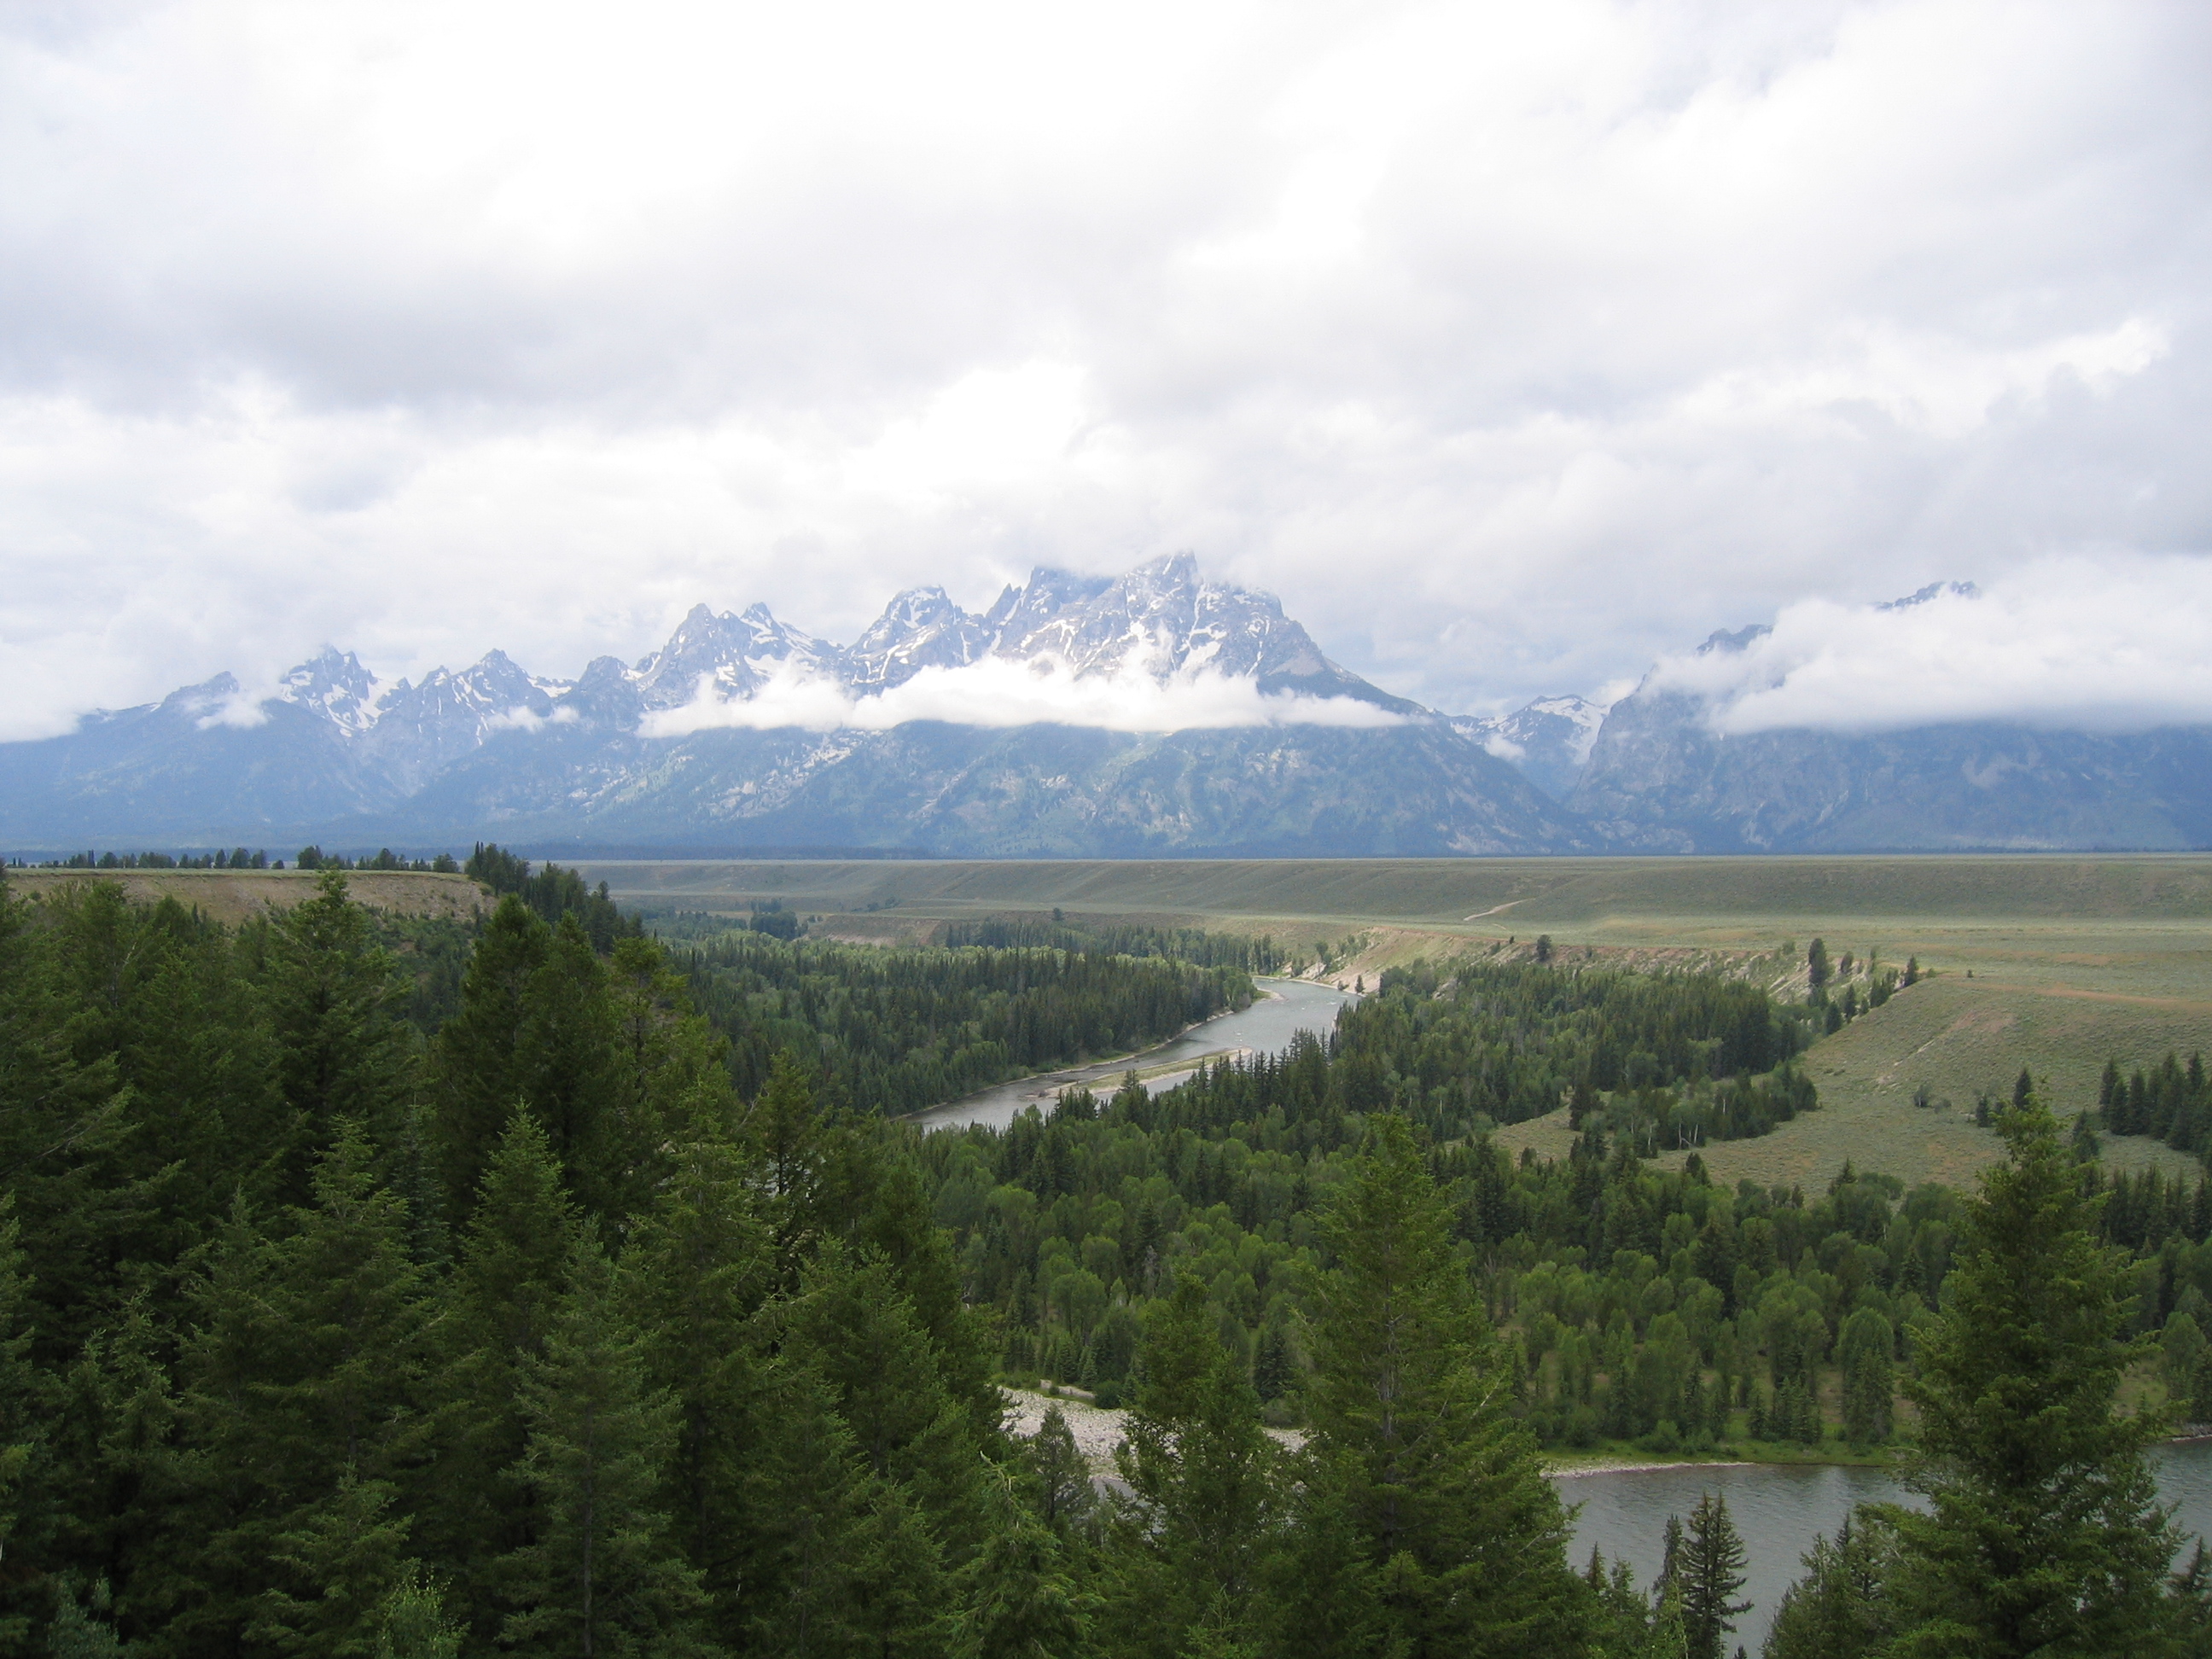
<point>951,733</point>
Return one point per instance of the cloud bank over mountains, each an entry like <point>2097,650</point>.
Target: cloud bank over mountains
<point>1519,343</point>
<point>1134,697</point>
<point>2109,645</point>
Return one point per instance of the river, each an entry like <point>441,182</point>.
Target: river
<point>1284,1008</point>
<point>1780,1509</point>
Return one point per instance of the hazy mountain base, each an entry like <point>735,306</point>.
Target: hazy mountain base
<point>1659,777</point>
<point>1036,791</point>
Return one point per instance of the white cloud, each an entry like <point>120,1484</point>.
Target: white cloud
<point>523,718</point>
<point>2115,643</point>
<point>1511,344</point>
<point>997,691</point>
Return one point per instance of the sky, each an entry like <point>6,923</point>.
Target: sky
<point>1516,347</point>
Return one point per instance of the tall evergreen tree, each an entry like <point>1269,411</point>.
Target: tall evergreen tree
<point>1840,1609</point>
<point>23,1411</point>
<point>695,1275</point>
<point>1021,1599</point>
<point>482,1072</point>
<point>1709,1569</point>
<point>1864,1349</point>
<point>601,1574</point>
<point>2042,1534</point>
<point>305,1374</point>
<point>565,1053</point>
<point>333,997</point>
<point>514,1262</point>
<point>1410,1401</point>
<point>1205,1486</point>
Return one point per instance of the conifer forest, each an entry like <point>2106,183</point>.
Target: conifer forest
<point>540,1284</point>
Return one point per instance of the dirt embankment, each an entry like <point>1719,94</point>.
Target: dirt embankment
<point>236,895</point>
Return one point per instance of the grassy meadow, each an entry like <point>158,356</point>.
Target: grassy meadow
<point>235,896</point>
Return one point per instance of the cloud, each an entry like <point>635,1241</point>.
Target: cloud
<point>997,691</point>
<point>2111,644</point>
<point>523,718</point>
<point>1511,345</point>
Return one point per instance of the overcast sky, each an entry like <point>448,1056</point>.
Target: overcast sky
<point>1513,345</point>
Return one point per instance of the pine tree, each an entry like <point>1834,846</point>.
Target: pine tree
<point>1709,1569</point>
<point>1272,1367</point>
<point>694,1275</point>
<point>82,1632</point>
<point>2043,1533</point>
<point>565,1049</point>
<point>514,1257</point>
<point>1864,1349</point>
<point>805,1492</point>
<point>1019,1599</point>
<point>601,1575</point>
<point>1059,1476</point>
<point>1204,1482</point>
<point>1840,1609</point>
<point>1409,1398</point>
<point>332,996</point>
<point>482,1074</point>
<point>1624,1624</point>
<point>63,1123</point>
<point>23,1412</point>
<point>306,1374</point>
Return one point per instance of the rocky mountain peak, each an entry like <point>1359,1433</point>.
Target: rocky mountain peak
<point>335,684</point>
<point>919,629</point>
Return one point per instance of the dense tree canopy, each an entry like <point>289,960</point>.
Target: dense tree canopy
<point>384,1288</point>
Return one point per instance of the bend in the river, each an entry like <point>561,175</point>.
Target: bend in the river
<point>1283,1008</point>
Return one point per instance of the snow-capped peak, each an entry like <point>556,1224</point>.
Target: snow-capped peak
<point>334,685</point>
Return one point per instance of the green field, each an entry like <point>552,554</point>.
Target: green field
<point>2055,963</point>
<point>1727,898</point>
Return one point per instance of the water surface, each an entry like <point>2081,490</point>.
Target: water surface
<point>1780,1509</point>
<point>1284,1008</point>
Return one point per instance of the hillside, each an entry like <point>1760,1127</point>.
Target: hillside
<point>231,895</point>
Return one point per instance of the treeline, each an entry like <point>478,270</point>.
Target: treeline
<point>313,857</point>
<point>896,1030</point>
<point>236,859</point>
<point>553,892</point>
<point>2170,1101</point>
<point>1467,1049</point>
<point>1650,1305</point>
<point>1057,932</point>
